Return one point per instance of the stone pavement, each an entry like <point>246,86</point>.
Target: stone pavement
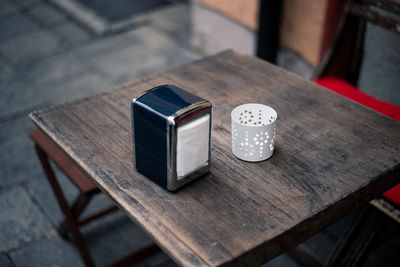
<point>47,59</point>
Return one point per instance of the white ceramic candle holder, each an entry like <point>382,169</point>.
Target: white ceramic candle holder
<point>253,131</point>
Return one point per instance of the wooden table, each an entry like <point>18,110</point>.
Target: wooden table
<point>331,155</point>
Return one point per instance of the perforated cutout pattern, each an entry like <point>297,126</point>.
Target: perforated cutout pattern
<point>253,131</point>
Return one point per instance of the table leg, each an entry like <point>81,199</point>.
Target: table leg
<point>347,238</point>
<point>369,241</point>
<point>64,207</point>
<point>77,208</point>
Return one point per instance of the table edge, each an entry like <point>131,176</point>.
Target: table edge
<point>179,260</point>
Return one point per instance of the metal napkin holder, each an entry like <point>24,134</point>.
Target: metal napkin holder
<point>157,115</point>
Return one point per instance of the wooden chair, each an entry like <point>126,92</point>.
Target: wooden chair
<point>46,149</point>
<point>339,72</point>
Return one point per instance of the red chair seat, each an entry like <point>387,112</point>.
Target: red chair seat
<point>350,91</point>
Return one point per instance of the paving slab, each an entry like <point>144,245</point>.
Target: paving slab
<point>18,160</point>
<point>76,87</point>
<point>107,238</point>
<point>99,46</point>
<point>46,15</point>
<point>19,97</point>
<point>98,203</point>
<point>129,231</point>
<point>5,260</point>
<point>39,189</point>
<point>21,220</point>
<point>176,57</point>
<point>41,44</point>
<point>71,35</point>
<point>6,8</point>
<point>7,71</point>
<point>112,237</point>
<point>15,24</point>
<point>174,20</point>
<point>127,64</point>
<point>163,61</point>
<point>25,3</point>
<point>55,70</point>
<point>151,38</point>
<point>140,59</point>
<point>50,251</point>
<point>213,33</point>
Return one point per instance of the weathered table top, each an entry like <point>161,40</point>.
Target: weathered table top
<point>331,154</point>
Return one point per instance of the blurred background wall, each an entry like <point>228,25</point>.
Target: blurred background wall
<point>301,25</point>
<point>307,27</point>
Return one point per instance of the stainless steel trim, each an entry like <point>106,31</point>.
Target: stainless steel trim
<point>195,174</point>
<point>172,180</point>
<point>209,140</point>
<point>170,152</point>
<point>190,109</point>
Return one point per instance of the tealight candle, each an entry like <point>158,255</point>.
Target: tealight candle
<point>253,131</point>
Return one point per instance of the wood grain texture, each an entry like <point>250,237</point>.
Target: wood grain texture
<point>331,154</point>
<point>390,22</point>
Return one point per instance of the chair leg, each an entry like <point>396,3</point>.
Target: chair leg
<point>64,207</point>
<point>347,238</point>
<point>77,208</point>
<point>367,244</point>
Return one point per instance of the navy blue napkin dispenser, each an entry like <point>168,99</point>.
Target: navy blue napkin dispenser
<point>171,131</point>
